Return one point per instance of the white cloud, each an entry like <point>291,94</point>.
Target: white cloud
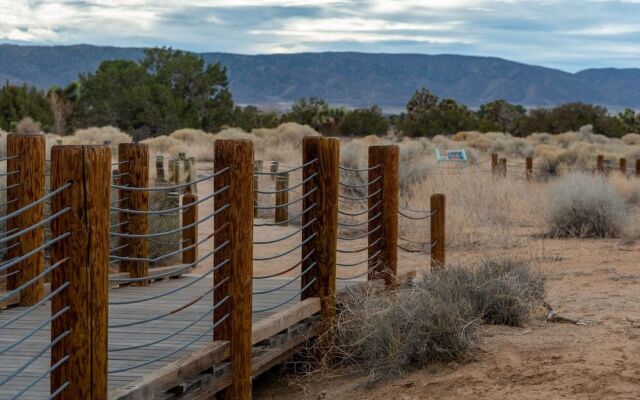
<point>562,33</point>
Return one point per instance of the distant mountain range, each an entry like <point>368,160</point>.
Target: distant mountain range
<point>353,79</point>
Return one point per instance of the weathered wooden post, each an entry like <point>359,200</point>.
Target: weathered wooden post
<point>160,170</point>
<point>282,198</point>
<point>638,168</point>
<point>438,238</point>
<point>234,277</point>
<point>494,163</point>
<point>190,235</point>
<point>134,169</point>
<point>320,235</point>
<point>600,164</point>
<point>25,185</point>
<point>257,167</point>
<point>383,199</point>
<point>529,168</point>
<point>503,167</point>
<point>623,166</point>
<point>274,168</point>
<point>80,333</point>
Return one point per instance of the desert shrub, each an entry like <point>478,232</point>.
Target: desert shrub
<point>627,187</point>
<point>582,205</point>
<point>631,139</point>
<point>98,135</point>
<point>387,334</point>
<point>434,318</point>
<point>28,125</point>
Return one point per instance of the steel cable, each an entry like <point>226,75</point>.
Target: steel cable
<point>267,258</point>
<point>289,188</point>
<point>286,204</point>
<point>305,258</point>
<point>266,291</point>
<point>169,292</point>
<point>165,188</point>
<point>35,203</point>
<point>308,285</point>
<point>287,236</point>
<point>289,170</point>
<point>162,357</point>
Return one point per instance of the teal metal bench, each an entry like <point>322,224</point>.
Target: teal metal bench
<point>456,156</point>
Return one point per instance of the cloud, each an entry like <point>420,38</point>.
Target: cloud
<point>569,34</point>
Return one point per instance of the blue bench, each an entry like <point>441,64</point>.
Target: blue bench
<point>457,156</point>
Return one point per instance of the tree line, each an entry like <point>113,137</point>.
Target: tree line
<point>171,89</point>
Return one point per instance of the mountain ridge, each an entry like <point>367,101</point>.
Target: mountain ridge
<point>353,79</point>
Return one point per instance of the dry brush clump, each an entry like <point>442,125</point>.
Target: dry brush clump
<point>434,318</point>
<point>581,205</point>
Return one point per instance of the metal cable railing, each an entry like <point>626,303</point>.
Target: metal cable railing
<point>25,330</point>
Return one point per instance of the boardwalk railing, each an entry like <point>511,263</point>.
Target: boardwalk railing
<point>136,334</point>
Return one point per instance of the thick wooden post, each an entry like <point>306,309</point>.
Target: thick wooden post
<point>257,167</point>
<point>282,197</point>
<point>234,278</point>
<point>84,266</point>
<point>623,166</point>
<point>438,238</point>
<point>383,199</point>
<point>25,183</point>
<point>529,169</point>
<point>600,164</point>
<point>134,169</point>
<point>494,163</point>
<point>638,168</point>
<point>190,235</point>
<point>321,236</point>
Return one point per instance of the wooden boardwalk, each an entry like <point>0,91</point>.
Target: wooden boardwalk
<point>123,337</point>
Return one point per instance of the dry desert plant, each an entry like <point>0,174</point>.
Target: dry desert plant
<point>433,318</point>
<point>581,205</point>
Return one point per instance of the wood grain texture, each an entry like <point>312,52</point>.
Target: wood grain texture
<point>385,265</point>
<point>325,212</point>
<point>600,163</point>
<point>238,156</point>
<point>29,185</point>
<point>529,168</point>
<point>494,163</point>
<point>190,235</point>
<point>86,270</point>
<point>438,237</point>
<point>282,197</point>
<point>135,170</point>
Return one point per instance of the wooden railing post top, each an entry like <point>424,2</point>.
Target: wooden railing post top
<point>310,139</point>
<point>388,147</point>
<point>81,146</point>
<point>26,135</point>
<point>133,145</point>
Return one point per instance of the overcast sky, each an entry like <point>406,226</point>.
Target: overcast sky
<point>570,35</point>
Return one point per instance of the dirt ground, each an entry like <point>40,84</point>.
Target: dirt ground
<point>595,282</point>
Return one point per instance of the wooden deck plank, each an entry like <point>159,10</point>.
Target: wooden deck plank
<point>143,333</point>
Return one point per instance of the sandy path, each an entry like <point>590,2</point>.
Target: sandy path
<point>593,281</point>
